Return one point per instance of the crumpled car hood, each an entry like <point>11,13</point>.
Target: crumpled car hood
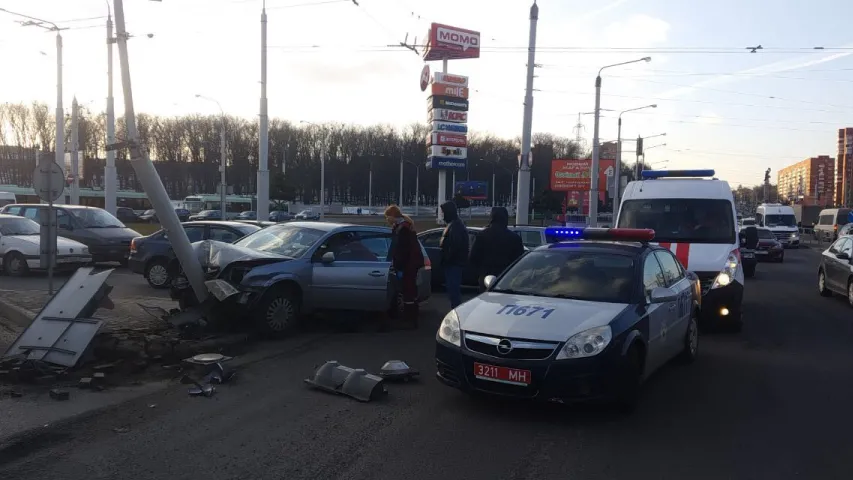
<point>214,254</point>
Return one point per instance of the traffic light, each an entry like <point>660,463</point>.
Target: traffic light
<point>639,146</point>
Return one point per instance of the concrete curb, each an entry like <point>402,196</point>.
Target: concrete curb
<point>18,316</point>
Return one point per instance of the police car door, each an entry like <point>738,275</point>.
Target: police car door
<point>658,315</point>
<point>676,330</point>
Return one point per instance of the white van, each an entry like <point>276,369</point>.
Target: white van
<point>696,219</point>
<point>781,221</point>
<point>7,198</point>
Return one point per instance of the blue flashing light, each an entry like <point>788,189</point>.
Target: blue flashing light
<point>650,174</point>
<point>565,233</point>
<point>611,234</point>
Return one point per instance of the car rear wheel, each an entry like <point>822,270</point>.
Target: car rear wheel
<point>850,292</point>
<point>157,274</point>
<point>691,340</point>
<point>821,285</point>
<point>15,265</point>
<point>278,311</point>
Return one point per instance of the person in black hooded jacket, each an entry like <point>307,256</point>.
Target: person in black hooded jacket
<point>454,252</point>
<point>496,246</point>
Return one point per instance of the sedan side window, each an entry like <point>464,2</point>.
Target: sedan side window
<point>32,213</point>
<point>223,235</point>
<point>671,271</point>
<point>377,243</point>
<point>838,245</point>
<point>431,240</point>
<point>347,247</point>
<point>847,248</point>
<point>652,274</point>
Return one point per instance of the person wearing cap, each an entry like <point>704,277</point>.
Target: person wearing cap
<point>406,259</point>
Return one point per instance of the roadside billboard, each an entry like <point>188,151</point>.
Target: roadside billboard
<point>444,115</point>
<point>449,103</point>
<point>450,79</point>
<point>448,152</point>
<point>444,162</point>
<point>441,89</point>
<point>569,175</point>
<point>449,127</point>
<point>448,139</point>
<point>446,42</point>
<point>472,190</point>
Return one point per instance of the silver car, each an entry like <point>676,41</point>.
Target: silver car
<point>286,270</point>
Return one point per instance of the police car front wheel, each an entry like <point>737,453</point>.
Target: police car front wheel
<point>632,377</point>
<point>691,341</point>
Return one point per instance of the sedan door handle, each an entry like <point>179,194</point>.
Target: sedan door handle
<point>376,273</point>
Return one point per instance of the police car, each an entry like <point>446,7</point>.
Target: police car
<point>588,318</point>
<point>694,217</point>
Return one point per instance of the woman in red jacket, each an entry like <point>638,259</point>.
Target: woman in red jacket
<point>406,259</point>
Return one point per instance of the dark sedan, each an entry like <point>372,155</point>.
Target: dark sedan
<point>150,216</point>
<point>431,240</point>
<point>151,255</point>
<point>835,273</point>
<point>280,216</point>
<point>206,215</point>
<point>769,249</point>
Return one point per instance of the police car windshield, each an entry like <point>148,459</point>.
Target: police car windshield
<point>681,220</point>
<point>573,274</point>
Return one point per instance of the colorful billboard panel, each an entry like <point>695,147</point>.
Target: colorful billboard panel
<point>448,152</point>
<point>444,115</point>
<point>573,174</point>
<point>450,79</point>
<point>444,162</point>
<point>446,42</point>
<point>472,190</point>
<point>450,103</point>
<point>448,139</point>
<point>442,89</point>
<point>449,127</point>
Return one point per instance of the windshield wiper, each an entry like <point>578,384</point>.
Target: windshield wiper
<point>508,291</point>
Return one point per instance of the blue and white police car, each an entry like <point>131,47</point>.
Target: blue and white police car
<point>588,318</point>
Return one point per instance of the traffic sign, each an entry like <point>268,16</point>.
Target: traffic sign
<point>48,180</point>
<point>609,172</point>
<point>424,78</point>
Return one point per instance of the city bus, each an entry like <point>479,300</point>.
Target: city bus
<point>234,204</point>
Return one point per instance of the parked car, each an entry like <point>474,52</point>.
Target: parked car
<point>20,241</point>
<point>280,216</point>
<point>431,240</point>
<point>247,215</point>
<point>286,270</point>
<point>126,215</point>
<point>307,215</point>
<point>257,223</point>
<point>532,236</point>
<point>150,216</point>
<point>206,215</point>
<point>152,255</point>
<point>769,248</point>
<point>107,238</point>
<point>829,222</point>
<point>835,273</point>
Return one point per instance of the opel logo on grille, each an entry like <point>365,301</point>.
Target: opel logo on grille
<point>504,347</point>
<point>71,250</point>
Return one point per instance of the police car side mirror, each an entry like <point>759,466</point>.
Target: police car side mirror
<point>842,256</point>
<point>489,281</point>
<point>328,257</point>
<point>662,295</point>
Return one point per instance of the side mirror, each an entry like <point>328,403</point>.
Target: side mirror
<point>489,281</point>
<point>328,257</point>
<point>751,234</point>
<point>842,256</point>
<point>662,295</point>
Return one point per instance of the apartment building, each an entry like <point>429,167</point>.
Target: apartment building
<point>809,182</point>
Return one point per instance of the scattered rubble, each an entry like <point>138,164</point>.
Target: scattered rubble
<point>333,377</point>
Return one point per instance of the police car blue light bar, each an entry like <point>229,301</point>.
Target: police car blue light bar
<point>677,173</point>
<point>615,234</point>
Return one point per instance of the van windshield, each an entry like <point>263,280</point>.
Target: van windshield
<point>785,220</point>
<point>681,220</point>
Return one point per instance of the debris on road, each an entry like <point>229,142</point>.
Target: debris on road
<point>353,382</point>
<point>198,390</point>
<point>58,394</point>
<point>398,370</point>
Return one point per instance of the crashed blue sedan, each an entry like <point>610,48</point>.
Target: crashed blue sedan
<point>283,271</point>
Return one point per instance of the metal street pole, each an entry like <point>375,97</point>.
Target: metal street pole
<point>494,191</point>
<point>596,148</point>
<point>323,180</point>
<point>148,176</point>
<point>618,167</point>
<point>263,190</point>
<point>75,153</point>
<point>110,174</point>
<point>401,179</point>
<point>527,126</point>
<point>370,184</point>
<point>441,197</point>
<point>417,188</point>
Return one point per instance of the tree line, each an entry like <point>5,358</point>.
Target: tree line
<point>186,152</point>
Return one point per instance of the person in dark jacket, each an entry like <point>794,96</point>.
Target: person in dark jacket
<point>496,246</point>
<point>454,252</point>
<point>406,259</point>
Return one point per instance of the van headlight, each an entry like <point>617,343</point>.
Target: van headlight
<point>727,274</point>
<point>587,343</point>
<point>795,235</point>
<point>449,330</point>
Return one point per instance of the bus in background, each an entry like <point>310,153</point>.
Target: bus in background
<point>7,198</point>
<point>234,204</point>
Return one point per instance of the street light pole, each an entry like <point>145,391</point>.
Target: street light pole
<point>596,148</point>
<point>618,173</point>
<point>401,178</point>
<point>110,174</point>
<point>263,187</point>
<point>527,125</point>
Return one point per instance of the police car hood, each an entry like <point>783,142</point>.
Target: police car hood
<point>488,314</point>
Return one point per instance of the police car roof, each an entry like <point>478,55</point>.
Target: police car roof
<point>622,247</point>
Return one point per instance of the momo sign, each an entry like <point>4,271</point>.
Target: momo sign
<point>448,152</point>
<point>446,42</point>
<point>450,103</point>
<point>444,90</point>
<point>444,115</point>
<point>450,79</point>
<point>449,127</point>
<point>448,139</point>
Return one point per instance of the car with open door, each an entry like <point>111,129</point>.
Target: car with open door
<point>835,273</point>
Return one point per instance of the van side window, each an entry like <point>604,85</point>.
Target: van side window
<point>758,219</point>
<point>825,220</point>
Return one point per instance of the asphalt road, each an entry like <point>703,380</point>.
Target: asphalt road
<point>770,403</point>
<point>125,283</point>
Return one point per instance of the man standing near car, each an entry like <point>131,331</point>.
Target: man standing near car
<point>454,252</point>
<point>496,246</point>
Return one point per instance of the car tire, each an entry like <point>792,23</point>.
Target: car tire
<point>782,258</point>
<point>850,292</point>
<point>630,381</point>
<point>277,313</point>
<point>15,265</point>
<point>157,274</point>
<point>691,340</point>
<point>821,285</point>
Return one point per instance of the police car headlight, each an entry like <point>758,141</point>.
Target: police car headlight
<point>449,330</point>
<point>727,274</point>
<point>587,343</point>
